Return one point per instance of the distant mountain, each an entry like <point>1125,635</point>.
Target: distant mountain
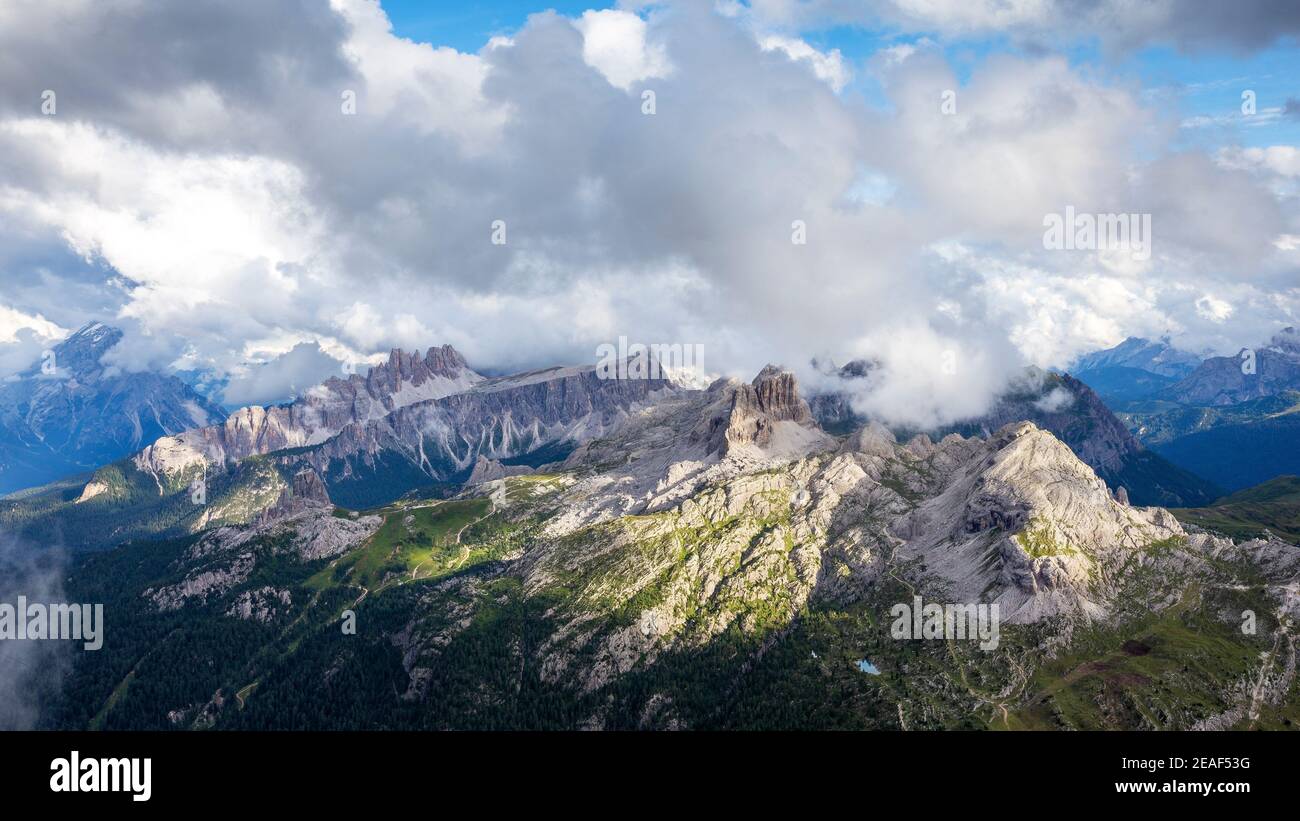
<point>1134,369</point>
<point>1119,386</point>
<point>410,423</point>
<point>320,414</point>
<point>71,413</point>
<point>1253,374</point>
<point>1158,357</point>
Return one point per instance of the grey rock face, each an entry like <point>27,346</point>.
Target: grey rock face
<point>260,605</point>
<point>306,491</point>
<point>202,583</point>
<point>495,419</point>
<point>224,558</point>
<point>321,413</point>
<point>748,414</point>
<point>873,439</point>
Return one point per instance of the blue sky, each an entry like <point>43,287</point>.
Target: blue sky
<point>467,25</point>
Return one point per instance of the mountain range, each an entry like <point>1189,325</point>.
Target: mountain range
<point>554,549</point>
<point>413,424</point>
<point>1231,419</point>
<point>700,559</point>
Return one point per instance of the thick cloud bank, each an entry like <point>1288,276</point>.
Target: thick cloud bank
<point>240,182</point>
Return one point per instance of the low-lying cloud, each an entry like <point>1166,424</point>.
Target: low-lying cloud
<point>31,671</point>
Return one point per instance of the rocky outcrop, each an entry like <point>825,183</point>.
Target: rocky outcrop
<point>200,584</point>
<point>764,413</point>
<point>223,559</point>
<point>261,605</point>
<point>872,439</point>
<point>305,491</point>
<point>489,470</point>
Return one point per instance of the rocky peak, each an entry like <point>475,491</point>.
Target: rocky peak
<point>78,355</point>
<point>752,414</point>
<point>446,361</point>
<point>1020,520</point>
<point>872,439</point>
<point>776,393</point>
<point>403,368</point>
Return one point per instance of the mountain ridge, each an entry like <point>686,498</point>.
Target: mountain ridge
<point>1062,404</point>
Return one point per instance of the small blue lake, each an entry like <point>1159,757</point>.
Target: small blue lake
<point>868,668</point>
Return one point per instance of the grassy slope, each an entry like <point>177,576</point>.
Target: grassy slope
<point>1273,506</point>
<point>418,540</point>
